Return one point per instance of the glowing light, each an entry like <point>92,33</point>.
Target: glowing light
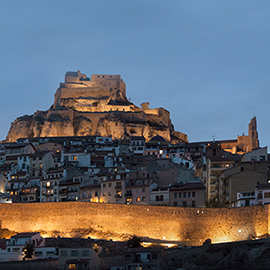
<point>239,231</point>
<point>169,245</point>
<point>48,184</point>
<point>164,237</point>
<point>146,244</point>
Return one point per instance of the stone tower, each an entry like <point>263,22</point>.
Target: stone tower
<point>253,133</point>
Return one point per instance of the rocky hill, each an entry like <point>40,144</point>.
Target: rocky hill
<point>95,107</point>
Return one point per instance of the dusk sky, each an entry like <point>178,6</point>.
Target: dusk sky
<point>207,62</point>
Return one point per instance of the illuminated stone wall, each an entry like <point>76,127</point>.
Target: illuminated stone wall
<point>117,221</point>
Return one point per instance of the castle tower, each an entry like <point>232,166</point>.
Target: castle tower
<point>253,133</point>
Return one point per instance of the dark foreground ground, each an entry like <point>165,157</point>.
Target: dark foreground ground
<point>252,254</point>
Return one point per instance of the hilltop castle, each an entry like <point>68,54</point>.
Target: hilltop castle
<point>96,106</point>
<point>101,93</point>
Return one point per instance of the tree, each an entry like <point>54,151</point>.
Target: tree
<point>134,242</point>
<point>28,251</point>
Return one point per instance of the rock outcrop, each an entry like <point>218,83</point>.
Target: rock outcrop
<point>98,106</point>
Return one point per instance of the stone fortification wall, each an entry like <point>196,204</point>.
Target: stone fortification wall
<point>115,221</point>
<point>180,135</point>
<point>93,92</point>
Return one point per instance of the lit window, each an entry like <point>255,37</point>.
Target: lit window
<point>48,184</point>
<point>72,266</point>
<point>138,199</point>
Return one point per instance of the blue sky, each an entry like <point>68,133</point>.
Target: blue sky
<point>207,62</point>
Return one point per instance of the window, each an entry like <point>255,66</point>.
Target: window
<point>85,253</point>
<point>154,256</point>
<point>184,204</point>
<point>180,194</point>
<point>138,199</point>
<point>185,195</point>
<point>16,249</point>
<point>194,194</point>
<point>189,194</point>
<point>110,184</point>
<point>74,253</point>
<point>267,195</point>
<point>128,257</point>
<point>143,189</point>
<point>161,198</point>
<point>49,253</point>
<point>72,266</point>
<point>193,204</point>
<point>175,194</point>
<point>143,199</point>
<point>104,185</point>
<point>175,204</point>
<point>38,253</point>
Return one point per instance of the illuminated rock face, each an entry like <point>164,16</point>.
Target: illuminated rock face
<point>98,106</point>
<point>113,221</point>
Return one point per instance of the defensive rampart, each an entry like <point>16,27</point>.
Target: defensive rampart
<point>113,221</point>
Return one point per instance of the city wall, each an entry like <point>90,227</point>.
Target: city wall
<point>93,92</point>
<point>115,221</point>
